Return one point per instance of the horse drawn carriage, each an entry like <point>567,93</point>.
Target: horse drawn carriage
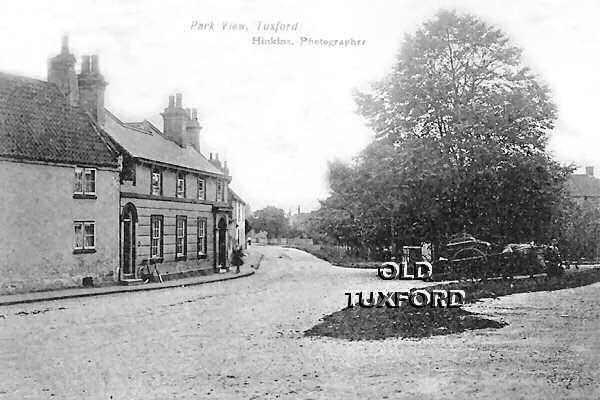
<point>465,257</point>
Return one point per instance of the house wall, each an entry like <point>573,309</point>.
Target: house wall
<point>237,228</point>
<point>143,176</point>
<point>37,237</point>
<point>169,207</point>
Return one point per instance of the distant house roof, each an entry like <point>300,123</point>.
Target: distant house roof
<point>37,123</point>
<point>233,195</point>
<point>145,141</point>
<point>584,185</point>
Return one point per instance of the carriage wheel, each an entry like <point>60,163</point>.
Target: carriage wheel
<point>474,263</point>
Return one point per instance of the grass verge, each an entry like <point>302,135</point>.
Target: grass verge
<point>409,322</point>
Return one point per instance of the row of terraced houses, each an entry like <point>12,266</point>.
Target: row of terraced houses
<point>86,197</point>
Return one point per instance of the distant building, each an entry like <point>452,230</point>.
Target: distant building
<point>585,188</point>
<point>238,220</point>
<point>258,237</point>
<point>299,221</point>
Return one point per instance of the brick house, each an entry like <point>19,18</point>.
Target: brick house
<point>59,188</point>
<point>173,204</point>
<point>86,195</point>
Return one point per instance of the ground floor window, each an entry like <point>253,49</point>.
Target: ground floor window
<point>85,235</point>
<point>181,234</point>
<point>156,236</point>
<point>202,237</point>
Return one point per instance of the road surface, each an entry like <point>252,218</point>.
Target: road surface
<point>242,339</point>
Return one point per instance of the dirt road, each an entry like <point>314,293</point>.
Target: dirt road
<point>243,339</point>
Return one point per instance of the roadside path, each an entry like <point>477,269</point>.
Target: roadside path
<point>253,258</point>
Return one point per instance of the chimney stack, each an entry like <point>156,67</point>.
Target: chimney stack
<point>214,160</point>
<point>85,64</point>
<point>589,171</point>
<point>91,88</point>
<point>95,67</point>
<point>192,130</point>
<point>174,117</point>
<point>181,124</point>
<point>61,71</point>
<point>64,48</point>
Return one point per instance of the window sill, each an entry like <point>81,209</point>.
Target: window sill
<point>181,258</point>
<point>84,251</point>
<point>156,260</point>
<point>202,256</point>
<point>84,196</point>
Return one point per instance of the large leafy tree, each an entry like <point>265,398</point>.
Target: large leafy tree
<point>461,127</point>
<point>271,220</point>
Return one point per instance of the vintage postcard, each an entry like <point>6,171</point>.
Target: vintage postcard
<point>266,199</point>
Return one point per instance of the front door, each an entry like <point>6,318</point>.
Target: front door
<point>128,220</point>
<point>221,243</point>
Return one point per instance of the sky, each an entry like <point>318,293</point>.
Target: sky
<point>279,113</point>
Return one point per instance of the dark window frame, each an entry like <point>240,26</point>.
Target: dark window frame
<point>221,193</point>
<point>160,181</point>
<point>181,256</point>
<point>153,218</point>
<point>83,248</point>
<point>202,245</point>
<point>82,181</point>
<point>203,180</point>
<point>177,178</point>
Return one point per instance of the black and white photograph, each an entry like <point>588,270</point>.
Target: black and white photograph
<point>285,199</point>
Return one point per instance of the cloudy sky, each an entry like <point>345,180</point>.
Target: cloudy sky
<point>278,113</point>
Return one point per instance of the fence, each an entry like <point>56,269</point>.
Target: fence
<point>290,242</point>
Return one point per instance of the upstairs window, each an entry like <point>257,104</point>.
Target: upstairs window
<point>180,185</point>
<point>220,191</point>
<point>201,189</point>
<point>85,182</point>
<point>156,183</point>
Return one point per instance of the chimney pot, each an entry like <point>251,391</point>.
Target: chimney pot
<point>589,171</point>
<point>85,64</point>
<point>65,45</point>
<point>211,156</point>
<point>178,100</point>
<point>171,101</point>
<point>217,156</point>
<point>188,113</point>
<point>194,113</point>
<point>95,65</point>
<point>61,72</point>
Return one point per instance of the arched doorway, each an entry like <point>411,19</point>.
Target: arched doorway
<point>221,242</point>
<point>128,240</point>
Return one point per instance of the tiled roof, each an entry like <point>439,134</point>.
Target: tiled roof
<point>583,185</point>
<point>37,123</point>
<point>143,140</point>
